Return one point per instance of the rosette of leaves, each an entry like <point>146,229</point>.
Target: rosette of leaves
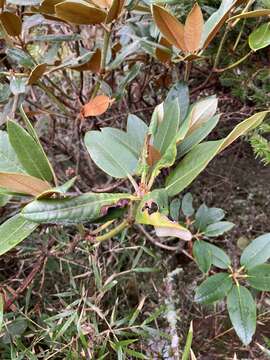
<point>233,285</point>
<point>176,131</point>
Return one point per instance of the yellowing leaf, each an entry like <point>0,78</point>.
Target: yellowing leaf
<point>193,29</point>
<point>11,23</point>
<point>169,26</point>
<point>162,55</point>
<point>97,106</point>
<point>37,73</point>
<point>79,12</point>
<point>94,64</point>
<point>115,10</point>
<point>23,184</point>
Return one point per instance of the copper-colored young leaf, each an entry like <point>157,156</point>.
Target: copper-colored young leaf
<point>94,64</point>
<point>153,155</point>
<point>80,12</point>
<point>169,26</point>
<point>115,10</point>
<point>23,184</point>
<point>37,73</point>
<point>162,55</point>
<point>105,4</point>
<point>48,6</point>
<point>97,106</point>
<point>193,29</point>
<point>11,23</point>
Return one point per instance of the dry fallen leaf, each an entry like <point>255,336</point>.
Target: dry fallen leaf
<point>97,106</point>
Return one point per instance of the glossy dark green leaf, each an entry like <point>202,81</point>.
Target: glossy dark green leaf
<point>242,311</point>
<point>202,255</point>
<point>215,288</point>
<point>259,277</point>
<point>218,228</point>
<point>83,208</point>
<point>13,231</point>
<point>187,205</point>
<point>180,91</point>
<point>260,37</point>
<point>8,158</point>
<point>219,258</point>
<point>29,152</point>
<point>257,252</point>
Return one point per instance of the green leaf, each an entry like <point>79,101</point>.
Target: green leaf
<point>175,209</point>
<point>137,130</point>
<point>259,277</point>
<point>218,228</point>
<point>20,57</point>
<point>8,158</point>
<point>219,258</point>
<point>17,85</point>
<point>242,312</point>
<point>4,92</point>
<point>214,288</point>
<point>196,136</point>
<point>83,208</point>
<point>257,252</point>
<point>216,21</point>
<point>191,166</point>
<point>200,156</point>
<point>187,206</point>
<point>57,38</point>
<point>202,111</point>
<point>167,128</point>
<point>203,255</point>
<point>187,349</point>
<point>29,152</point>
<point>4,199</point>
<point>131,75</point>
<point>180,91</point>
<point>206,216</point>
<point>260,37</point>
<point>13,231</point>
<point>113,151</point>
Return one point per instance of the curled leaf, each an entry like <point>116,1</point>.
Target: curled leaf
<point>114,10</point>
<point>97,106</point>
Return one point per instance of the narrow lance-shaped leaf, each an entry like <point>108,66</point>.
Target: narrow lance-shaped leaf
<point>169,26</point>
<point>83,208</point>
<point>29,152</point>
<point>242,311</point>
<point>13,231</point>
<point>196,161</point>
